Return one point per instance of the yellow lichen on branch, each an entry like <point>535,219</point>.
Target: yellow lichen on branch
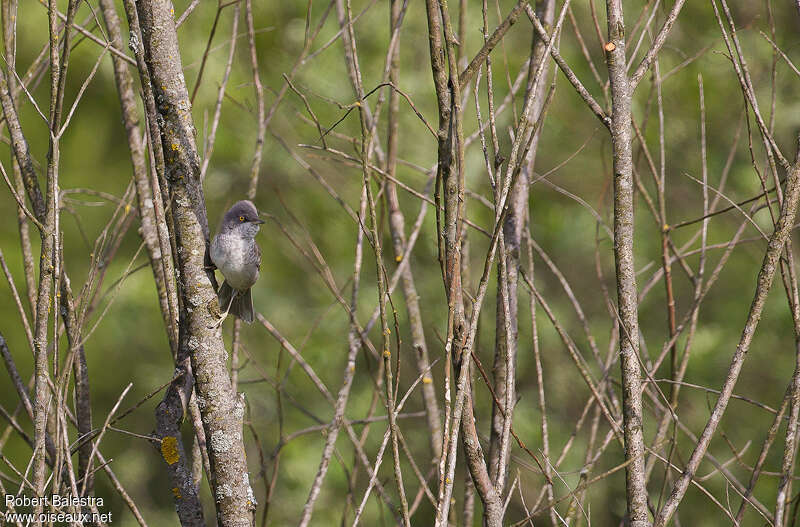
<point>169,450</point>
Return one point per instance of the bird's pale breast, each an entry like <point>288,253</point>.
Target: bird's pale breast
<point>232,256</point>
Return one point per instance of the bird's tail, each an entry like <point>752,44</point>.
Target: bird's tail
<point>238,303</point>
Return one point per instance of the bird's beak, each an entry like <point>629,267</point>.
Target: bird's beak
<point>257,221</point>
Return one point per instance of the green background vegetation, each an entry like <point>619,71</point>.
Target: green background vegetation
<point>130,345</point>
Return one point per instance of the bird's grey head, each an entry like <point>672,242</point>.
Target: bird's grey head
<point>243,219</point>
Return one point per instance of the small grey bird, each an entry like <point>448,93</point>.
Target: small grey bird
<point>236,254</point>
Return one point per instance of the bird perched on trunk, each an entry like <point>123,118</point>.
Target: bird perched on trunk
<point>236,254</point>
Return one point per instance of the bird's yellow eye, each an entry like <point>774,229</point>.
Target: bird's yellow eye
<point>241,218</point>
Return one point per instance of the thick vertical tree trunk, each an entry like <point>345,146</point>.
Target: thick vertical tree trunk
<point>627,301</point>
<point>221,408</point>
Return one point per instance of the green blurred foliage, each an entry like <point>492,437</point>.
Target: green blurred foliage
<point>130,346</point>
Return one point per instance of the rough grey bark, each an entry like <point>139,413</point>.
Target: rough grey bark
<point>508,275</point>
<point>627,300</point>
<point>41,306</point>
<point>49,260</point>
<point>21,150</point>
<point>221,409</point>
<point>171,411</point>
<point>450,176</point>
<point>169,416</point>
<point>397,230</point>
<point>506,333</point>
<point>783,498</point>
<point>491,497</point>
<point>9,14</point>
